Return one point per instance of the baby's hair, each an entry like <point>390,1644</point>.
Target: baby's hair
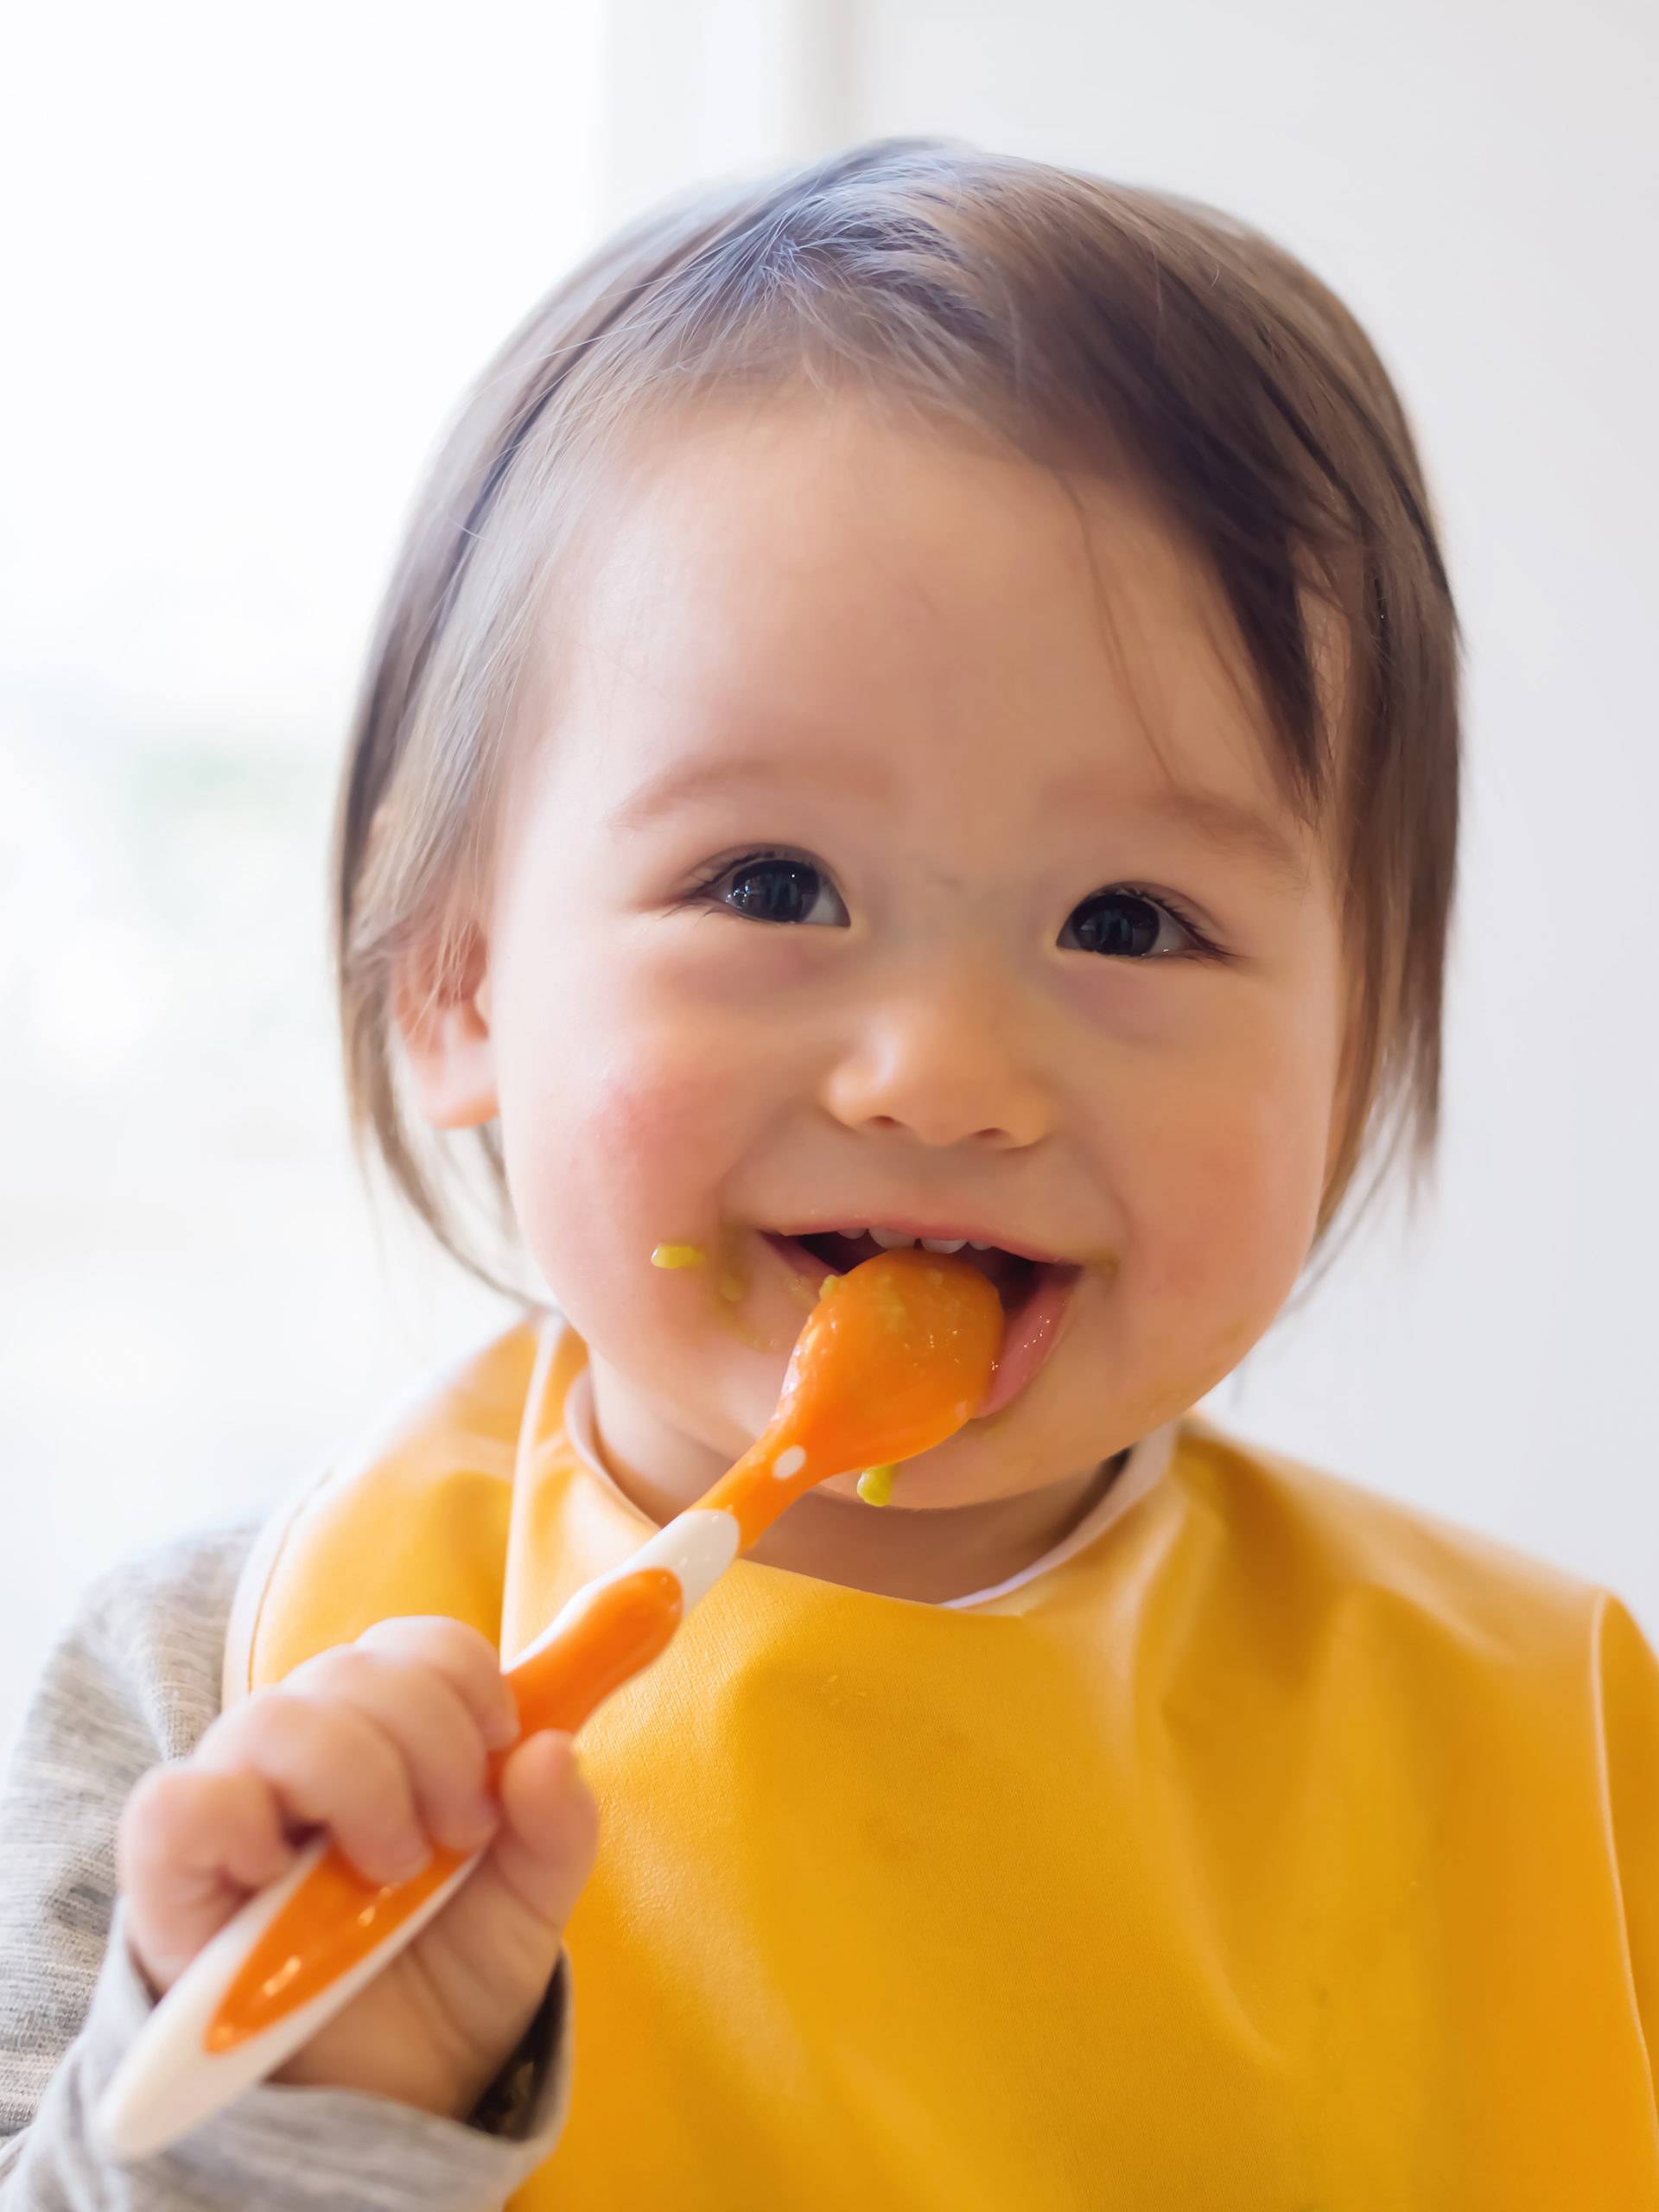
<point>1096,329</point>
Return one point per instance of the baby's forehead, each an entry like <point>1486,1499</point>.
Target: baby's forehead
<point>805,584</point>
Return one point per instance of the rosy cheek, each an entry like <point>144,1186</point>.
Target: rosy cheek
<point>643,1117</point>
<point>1226,1212</point>
<point>659,1137</point>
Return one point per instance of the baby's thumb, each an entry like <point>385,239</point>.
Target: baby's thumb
<point>544,1848</point>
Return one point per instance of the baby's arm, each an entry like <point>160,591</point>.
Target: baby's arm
<point>136,1681</point>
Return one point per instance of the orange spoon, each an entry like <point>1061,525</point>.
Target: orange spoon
<point>895,1357</point>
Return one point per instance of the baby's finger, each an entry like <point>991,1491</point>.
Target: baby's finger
<point>434,1729</point>
<point>549,1829</point>
<point>331,1767</point>
<point>185,1831</point>
<point>190,1847</point>
<point>467,1660</point>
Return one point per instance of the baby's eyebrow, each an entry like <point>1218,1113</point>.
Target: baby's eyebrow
<point>1223,824</point>
<point>677,786</point>
<point>1228,823</point>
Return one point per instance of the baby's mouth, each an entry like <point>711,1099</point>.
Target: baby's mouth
<point>1035,1292</point>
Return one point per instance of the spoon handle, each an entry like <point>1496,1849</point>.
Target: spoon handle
<point>301,1949</point>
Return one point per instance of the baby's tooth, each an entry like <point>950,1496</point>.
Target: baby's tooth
<point>974,1245</point>
<point>890,1240</point>
<point>943,1243</point>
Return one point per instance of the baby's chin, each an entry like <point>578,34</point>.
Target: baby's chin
<point>1009,1454</point>
<point>1064,1425</point>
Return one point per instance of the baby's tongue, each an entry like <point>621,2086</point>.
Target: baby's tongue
<point>1029,1331</point>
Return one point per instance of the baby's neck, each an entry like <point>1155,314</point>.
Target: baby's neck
<point>929,1554</point>
<point>932,1554</point>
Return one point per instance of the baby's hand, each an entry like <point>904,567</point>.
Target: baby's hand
<point>385,1743</point>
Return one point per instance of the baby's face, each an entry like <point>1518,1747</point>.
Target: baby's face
<point>892,848</point>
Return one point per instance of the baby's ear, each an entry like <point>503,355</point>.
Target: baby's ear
<point>441,1003</point>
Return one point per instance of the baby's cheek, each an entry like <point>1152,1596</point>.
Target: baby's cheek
<point>633,1154</point>
<point>1225,1216</point>
<point>593,1180</point>
<point>644,1126</point>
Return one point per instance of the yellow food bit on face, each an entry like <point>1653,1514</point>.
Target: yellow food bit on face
<point>679,1255</point>
<point>732,1288</point>
<point>875,1484</point>
<point>830,1283</point>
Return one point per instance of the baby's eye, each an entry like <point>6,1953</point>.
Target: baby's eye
<point>1126,925</point>
<point>779,887</point>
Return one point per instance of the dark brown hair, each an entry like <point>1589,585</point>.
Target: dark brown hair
<point>1091,326</point>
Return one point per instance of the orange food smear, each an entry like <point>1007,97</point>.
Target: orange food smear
<point>337,1915</point>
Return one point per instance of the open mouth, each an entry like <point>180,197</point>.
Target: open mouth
<point>1035,1292</point>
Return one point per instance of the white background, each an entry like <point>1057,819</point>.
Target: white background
<point>253,255</point>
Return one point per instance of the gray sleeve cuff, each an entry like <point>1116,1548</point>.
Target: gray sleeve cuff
<point>281,2148</point>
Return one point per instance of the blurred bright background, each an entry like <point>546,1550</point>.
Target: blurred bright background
<point>252,258</point>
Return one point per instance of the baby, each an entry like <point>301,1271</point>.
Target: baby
<point>919,706</point>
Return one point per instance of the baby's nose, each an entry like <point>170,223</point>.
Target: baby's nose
<point>941,1063</point>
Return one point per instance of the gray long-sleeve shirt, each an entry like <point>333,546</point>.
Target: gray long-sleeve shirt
<point>134,1681</point>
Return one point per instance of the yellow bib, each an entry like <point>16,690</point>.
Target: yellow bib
<point>1278,1850</point>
